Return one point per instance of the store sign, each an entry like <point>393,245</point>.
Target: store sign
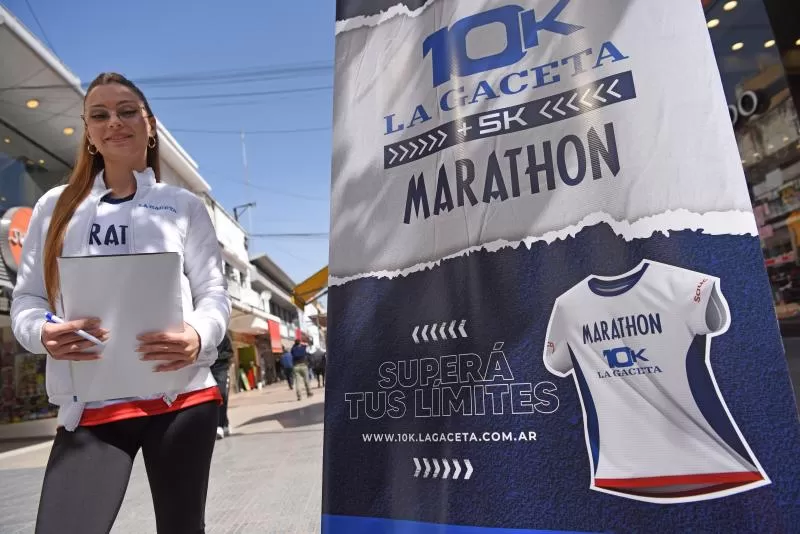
<point>275,336</point>
<point>748,104</point>
<point>550,310</point>
<point>13,229</point>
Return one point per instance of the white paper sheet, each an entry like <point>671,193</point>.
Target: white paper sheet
<point>131,294</point>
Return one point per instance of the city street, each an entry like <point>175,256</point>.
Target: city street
<point>265,478</point>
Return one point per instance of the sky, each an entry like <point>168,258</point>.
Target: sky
<point>289,173</point>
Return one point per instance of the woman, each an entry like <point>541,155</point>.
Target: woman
<point>108,208</point>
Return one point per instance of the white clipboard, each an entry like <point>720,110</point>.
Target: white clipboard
<point>131,294</point>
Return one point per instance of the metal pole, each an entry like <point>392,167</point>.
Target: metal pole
<point>246,185</point>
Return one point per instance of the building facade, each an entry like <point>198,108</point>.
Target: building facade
<point>285,321</point>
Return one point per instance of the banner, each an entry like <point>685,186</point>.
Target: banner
<point>548,304</point>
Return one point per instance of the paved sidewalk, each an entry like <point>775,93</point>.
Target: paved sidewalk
<point>265,478</point>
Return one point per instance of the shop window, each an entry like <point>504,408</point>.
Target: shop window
<point>767,130</point>
<point>26,171</point>
<point>22,383</point>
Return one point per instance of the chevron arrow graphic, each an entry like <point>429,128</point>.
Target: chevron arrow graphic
<point>433,333</point>
<point>557,109</point>
<point>414,334</point>
<point>443,331</point>
<point>611,90</point>
<point>446,469</point>
<point>424,145</point>
<point>585,102</point>
<point>419,468</point>
<point>436,468</point>
<point>444,136</point>
<point>453,330</point>
<point>543,111</point>
<point>395,153</point>
<point>469,470</point>
<point>433,140</point>
<point>571,104</point>
<point>405,152</point>
<point>416,147</point>
<point>427,468</point>
<point>425,333</point>
<point>597,96</point>
<point>457,469</point>
<point>461,328</point>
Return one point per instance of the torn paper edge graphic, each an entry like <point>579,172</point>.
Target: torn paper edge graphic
<point>363,21</point>
<point>734,222</point>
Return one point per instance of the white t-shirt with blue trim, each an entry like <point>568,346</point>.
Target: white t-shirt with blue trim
<point>638,348</point>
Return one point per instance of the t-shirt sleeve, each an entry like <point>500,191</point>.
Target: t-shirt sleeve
<point>709,313</point>
<point>556,349</point>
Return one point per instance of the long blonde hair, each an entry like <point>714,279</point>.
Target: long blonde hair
<point>80,185</point>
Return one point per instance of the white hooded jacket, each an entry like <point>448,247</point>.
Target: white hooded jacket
<point>164,218</point>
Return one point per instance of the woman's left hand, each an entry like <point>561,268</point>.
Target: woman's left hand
<point>176,349</point>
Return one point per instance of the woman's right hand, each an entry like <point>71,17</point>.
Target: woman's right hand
<point>62,343</point>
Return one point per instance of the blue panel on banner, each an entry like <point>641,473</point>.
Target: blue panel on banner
<point>337,524</point>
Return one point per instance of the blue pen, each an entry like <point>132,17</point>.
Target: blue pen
<point>85,335</point>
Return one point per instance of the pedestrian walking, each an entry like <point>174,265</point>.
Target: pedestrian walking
<point>106,202</point>
<point>288,368</point>
<point>318,360</point>
<point>300,363</point>
<point>221,371</point>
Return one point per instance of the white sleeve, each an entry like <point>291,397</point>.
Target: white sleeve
<point>557,356</point>
<point>203,267</point>
<point>30,304</point>
<point>710,314</point>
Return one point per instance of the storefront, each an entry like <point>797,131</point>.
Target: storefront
<point>248,332</point>
<point>757,43</point>
<point>21,374</point>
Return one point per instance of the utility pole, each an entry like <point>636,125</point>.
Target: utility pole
<point>246,185</point>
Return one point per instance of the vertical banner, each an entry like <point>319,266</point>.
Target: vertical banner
<point>548,305</point>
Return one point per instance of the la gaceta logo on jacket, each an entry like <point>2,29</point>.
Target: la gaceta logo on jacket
<point>158,207</point>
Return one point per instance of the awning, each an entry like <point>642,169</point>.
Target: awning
<point>248,324</point>
<point>307,291</point>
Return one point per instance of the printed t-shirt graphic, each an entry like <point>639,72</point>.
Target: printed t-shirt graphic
<point>656,427</point>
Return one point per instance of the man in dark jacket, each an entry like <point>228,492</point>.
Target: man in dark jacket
<point>317,361</point>
<point>220,369</point>
<point>288,368</point>
<point>300,363</point>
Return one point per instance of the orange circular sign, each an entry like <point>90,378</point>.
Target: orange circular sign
<point>13,229</point>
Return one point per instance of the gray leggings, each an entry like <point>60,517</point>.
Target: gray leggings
<point>88,472</point>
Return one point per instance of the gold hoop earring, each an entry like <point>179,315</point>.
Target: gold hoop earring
<point>151,143</point>
<point>92,149</point>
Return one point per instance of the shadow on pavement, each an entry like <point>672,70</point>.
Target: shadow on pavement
<point>305,416</point>
<point>13,444</point>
